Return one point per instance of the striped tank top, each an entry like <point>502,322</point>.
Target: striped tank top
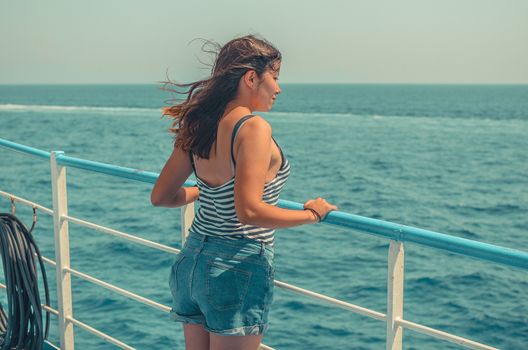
<point>216,214</point>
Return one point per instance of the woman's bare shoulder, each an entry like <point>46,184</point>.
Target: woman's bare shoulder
<point>257,124</point>
<point>255,132</point>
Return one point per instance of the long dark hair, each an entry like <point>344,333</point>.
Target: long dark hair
<point>196,119</point>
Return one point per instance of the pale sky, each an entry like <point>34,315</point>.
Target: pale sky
<point>368,41</point>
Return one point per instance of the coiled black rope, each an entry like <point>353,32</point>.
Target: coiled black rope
<point>22,327</point>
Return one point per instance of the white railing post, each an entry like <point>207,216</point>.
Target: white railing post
<point>395,295</point>
<point>187,216</point>
<point>62,251</point>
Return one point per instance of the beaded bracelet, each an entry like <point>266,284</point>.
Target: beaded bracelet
<point>315,212</point>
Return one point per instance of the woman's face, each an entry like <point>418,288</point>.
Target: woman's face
<point>267,90</point>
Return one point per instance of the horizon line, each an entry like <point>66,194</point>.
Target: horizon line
<point>282,83</point>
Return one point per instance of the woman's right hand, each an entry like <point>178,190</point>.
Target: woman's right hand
<point>321,206</point>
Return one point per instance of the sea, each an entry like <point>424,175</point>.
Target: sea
<point>447,158</point>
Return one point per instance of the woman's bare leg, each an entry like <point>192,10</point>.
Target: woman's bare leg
<point>196,337</point>
<point>247,342</point>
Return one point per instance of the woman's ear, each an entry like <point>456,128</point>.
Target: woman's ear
<point>249,78</point>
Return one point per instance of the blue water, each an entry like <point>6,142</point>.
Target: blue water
<point>449,158</point>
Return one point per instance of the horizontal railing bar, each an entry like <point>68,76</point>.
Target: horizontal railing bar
<point>118,290</point>
<point>113,170</point>
<point>462,246</point>
<point>50,309</point>
<point>444,335</point>
<point>121,234</point>
<point>24,149</point>
<point>26,202</point>
<point>51,344</point>
<point>453,244</point>
<point>99,334</point>
<point>49,261</point>
<point>337,302</point>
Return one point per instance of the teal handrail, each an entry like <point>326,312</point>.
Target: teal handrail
<point>453,244</point>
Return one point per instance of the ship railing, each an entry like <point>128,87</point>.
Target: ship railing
<point>396,233</point>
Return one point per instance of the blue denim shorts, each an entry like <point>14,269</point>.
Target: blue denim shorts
<point>225,285</point>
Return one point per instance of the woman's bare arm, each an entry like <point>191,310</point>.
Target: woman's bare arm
<point>168,190</point>
<point>253,157</point>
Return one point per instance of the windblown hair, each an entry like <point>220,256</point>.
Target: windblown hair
<point>196,119</point>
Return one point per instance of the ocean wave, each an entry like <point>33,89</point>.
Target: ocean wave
<point>496,209</point>
<point>388,116</point>
<point>58,108</point>
<point>11,107</point>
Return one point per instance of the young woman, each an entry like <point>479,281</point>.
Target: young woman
<point>222,280</point>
